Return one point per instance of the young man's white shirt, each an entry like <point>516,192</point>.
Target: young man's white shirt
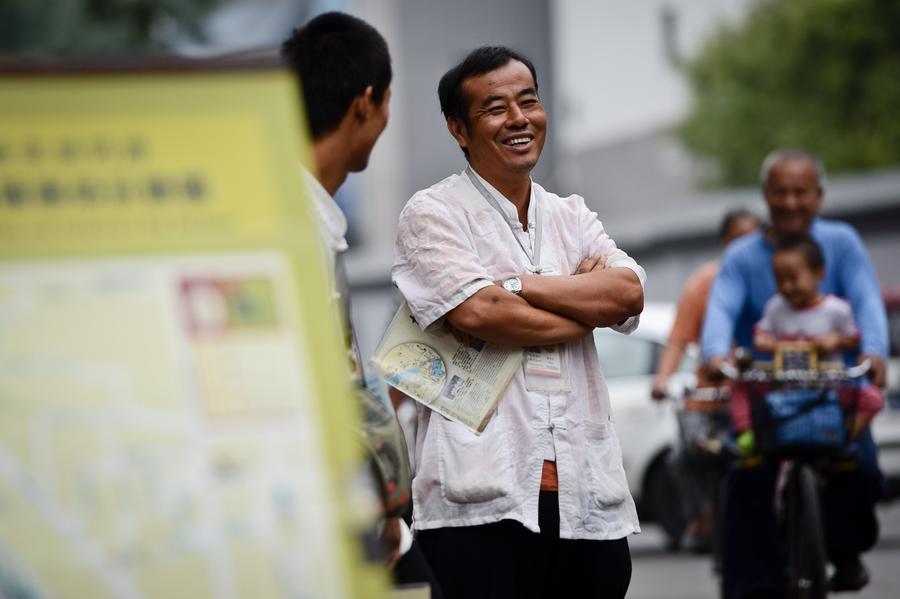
<point>332,226</point>
<point>450,244</point>
<point>331,220</point>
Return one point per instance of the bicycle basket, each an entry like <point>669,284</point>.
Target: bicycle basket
<point>703,432</point>
<point>799,421</point>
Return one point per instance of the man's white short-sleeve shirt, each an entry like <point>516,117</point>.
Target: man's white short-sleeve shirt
<point>450,244</point>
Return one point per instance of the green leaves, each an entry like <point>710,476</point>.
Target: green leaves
<point>818,74</point>
<point>92,27</point>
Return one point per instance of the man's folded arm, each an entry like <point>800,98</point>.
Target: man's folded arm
<point>600,298</point>
<point>503,318</point>
<point>614,293</point>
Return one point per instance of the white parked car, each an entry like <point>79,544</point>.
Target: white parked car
<point>886,426</point>
<point>647,429</point>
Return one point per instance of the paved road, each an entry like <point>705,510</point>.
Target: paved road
<point>661,575</point>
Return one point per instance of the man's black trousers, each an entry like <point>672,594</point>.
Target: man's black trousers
<point>506,560</point>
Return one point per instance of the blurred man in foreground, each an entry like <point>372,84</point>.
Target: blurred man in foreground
<point>345,73</point>
<point>793,185</point>
<point>538,504</point>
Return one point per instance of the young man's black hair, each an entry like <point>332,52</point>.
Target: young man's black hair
<point>805,245</point>
<point>477,62</point>
<point>337,56</point>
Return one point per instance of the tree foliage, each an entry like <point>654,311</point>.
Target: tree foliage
<point>92,27</point>
<point>819,74</point>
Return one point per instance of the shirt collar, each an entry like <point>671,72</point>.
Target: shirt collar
<point>332,222</point>
<point>509,209</point>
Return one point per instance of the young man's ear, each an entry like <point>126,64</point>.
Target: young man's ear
<point>459,132</point>
<point>364,104</point>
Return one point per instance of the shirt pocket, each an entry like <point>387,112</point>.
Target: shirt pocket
<point>608,486</point>
<point>474,468</point>
<point>484,223</point>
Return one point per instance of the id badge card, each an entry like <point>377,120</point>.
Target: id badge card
<point>545,369</point>
<point>544,361</point>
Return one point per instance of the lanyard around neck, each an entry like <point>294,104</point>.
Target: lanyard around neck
<point>535,258</point>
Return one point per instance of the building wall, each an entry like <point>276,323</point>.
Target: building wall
<point>616,63</point>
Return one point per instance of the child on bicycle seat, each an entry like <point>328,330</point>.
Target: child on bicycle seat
<point>800,312</point>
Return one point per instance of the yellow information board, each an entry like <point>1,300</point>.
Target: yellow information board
<point>175,418</point>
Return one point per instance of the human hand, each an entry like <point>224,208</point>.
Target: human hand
<point>590,264</point>
<point>397,397</point>
<point>765,342</point>
<point>877,370</point>
<point>390,540</point>
<point>461,336</point>
<point>828,343</point>
<point>713,368</point>
<point>660,389</point>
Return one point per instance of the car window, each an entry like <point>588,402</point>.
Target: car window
<point>626,356</point>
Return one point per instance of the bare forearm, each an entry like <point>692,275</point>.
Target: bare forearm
<point>669,360</point>
<point>849,342</point>
<point>502,318</point>
<point>833,342</point>
<point>396,396</point>
<point>600,298</point>
<point>764,342</point>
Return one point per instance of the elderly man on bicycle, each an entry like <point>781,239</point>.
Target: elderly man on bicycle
<point>793,186</point>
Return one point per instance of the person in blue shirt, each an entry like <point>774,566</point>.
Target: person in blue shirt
<point>793,184</point>
<point>793,187</point>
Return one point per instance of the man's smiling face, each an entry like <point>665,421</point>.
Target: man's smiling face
<point>507,123</point>
<point>794,195</point>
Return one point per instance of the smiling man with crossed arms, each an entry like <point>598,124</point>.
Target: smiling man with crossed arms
<point>537,505</point>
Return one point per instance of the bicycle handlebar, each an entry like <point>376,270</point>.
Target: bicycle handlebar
<point>731,372</point>
<point>854,372</point>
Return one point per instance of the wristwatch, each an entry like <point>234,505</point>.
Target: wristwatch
<point>513,285</point>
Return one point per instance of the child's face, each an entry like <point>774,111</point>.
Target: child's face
<point>796,280</point>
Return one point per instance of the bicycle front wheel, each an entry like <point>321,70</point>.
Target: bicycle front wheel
<point>806,541</point>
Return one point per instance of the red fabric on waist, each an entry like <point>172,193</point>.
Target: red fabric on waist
<point>549,479</point>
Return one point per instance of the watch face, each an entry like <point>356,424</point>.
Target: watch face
<point>513,285</point>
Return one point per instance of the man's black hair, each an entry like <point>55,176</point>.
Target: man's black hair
<point>733,216</point>
<point>477,62</point>
<point>805,245</point>
<point>336,56</point>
